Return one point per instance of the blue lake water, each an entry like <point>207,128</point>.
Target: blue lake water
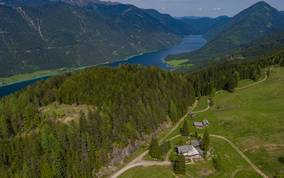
<point>188,44</point>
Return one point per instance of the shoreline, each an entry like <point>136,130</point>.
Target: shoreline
<point>61,71</point>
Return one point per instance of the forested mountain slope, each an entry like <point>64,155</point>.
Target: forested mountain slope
<point>122,106</point>
<point>44,35</point>
<point>245,28</point>
<point>203,25</point>
<point>73,125</point>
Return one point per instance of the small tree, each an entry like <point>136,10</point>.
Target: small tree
<point>154,149</point>
<point>231,84</point>
<point>268,73</point>
<point>185,129</point>
<point>179,165</point>
<point>211,102</point>
<point>217,163</point>
<point>213,92</point>
<point>205,142</point>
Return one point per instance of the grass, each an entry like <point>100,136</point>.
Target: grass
<point>29,76</point>
<point>179,63</point>
<point>202,103</point>
<point>65,113</point>
<point>231,161</point>
<point>252,117</point>
<point>150,172</point>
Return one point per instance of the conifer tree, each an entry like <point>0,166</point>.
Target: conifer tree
<point>217,163</point>
<point>154,149</point>
<point>185,129</point>
<point>205,142</point>
<point>179,165</point>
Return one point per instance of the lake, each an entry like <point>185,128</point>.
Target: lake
<point>188,44</point>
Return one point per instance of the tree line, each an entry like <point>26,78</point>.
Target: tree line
<point>131,102</point>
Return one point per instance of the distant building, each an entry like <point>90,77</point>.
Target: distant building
<point>189,152</point>
<point>191,115</point>
<point>201,125</point>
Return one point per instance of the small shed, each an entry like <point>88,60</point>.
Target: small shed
<point>198,125</point>
<point>201,125</point>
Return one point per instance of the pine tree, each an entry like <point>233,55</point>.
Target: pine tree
<point>231,84</point>
<point>185,129</point>
<point>154,149</point>
<point>217,163</point>
<point>205,142</point>
<point>179,165</point>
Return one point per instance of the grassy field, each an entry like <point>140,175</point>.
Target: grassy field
<point>29,76</point>
<point>231,163</point>
<point>150,172</point>
<point>179,63</point>
<point>202,103</point>
<point>251,118</point>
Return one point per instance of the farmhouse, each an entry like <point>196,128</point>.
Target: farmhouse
<point>201,125</point>
<point>189,152</point>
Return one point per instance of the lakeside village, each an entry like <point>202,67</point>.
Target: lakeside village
<point>184,148</point>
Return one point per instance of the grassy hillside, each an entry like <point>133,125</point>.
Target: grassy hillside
<point>252,118</point>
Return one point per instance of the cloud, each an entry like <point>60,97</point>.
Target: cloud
<point>217,9</point>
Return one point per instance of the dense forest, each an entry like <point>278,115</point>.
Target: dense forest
<point>130,102</point>
<point>127,104</point>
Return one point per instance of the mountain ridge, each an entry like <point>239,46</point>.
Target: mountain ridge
<point>244,28</point>
<point>56,34</point>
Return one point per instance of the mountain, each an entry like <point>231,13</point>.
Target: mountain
<point>175,25</point>
<point>266,46</point>
<point>201,25</point>
<point>246,27</point>
<point>45,35</point>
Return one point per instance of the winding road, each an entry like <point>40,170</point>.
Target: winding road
<point>253,84</point>
<point>242,155</point>
<point>138,161</point>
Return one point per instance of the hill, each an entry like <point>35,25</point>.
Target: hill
<point>87,120</point>
<point>258,21</point>
<point>56,34</point>
<point>76,124</point>
<point>241,117</point>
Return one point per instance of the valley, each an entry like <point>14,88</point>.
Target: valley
<point>189,43</point>
<point>132,89</point>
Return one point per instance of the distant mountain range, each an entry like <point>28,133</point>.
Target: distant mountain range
<point>48,34</point>
<point>253,26</point>
<point>202,25</point>
<point>42,34</point>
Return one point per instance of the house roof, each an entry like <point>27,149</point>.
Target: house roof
<point>198,124</point>
<point>187,149</point>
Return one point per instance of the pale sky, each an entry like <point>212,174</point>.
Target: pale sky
<point>200,7</point>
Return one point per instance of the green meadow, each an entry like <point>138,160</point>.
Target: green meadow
<point>252,119</point>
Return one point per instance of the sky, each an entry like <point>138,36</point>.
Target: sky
<point>210,8</point>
